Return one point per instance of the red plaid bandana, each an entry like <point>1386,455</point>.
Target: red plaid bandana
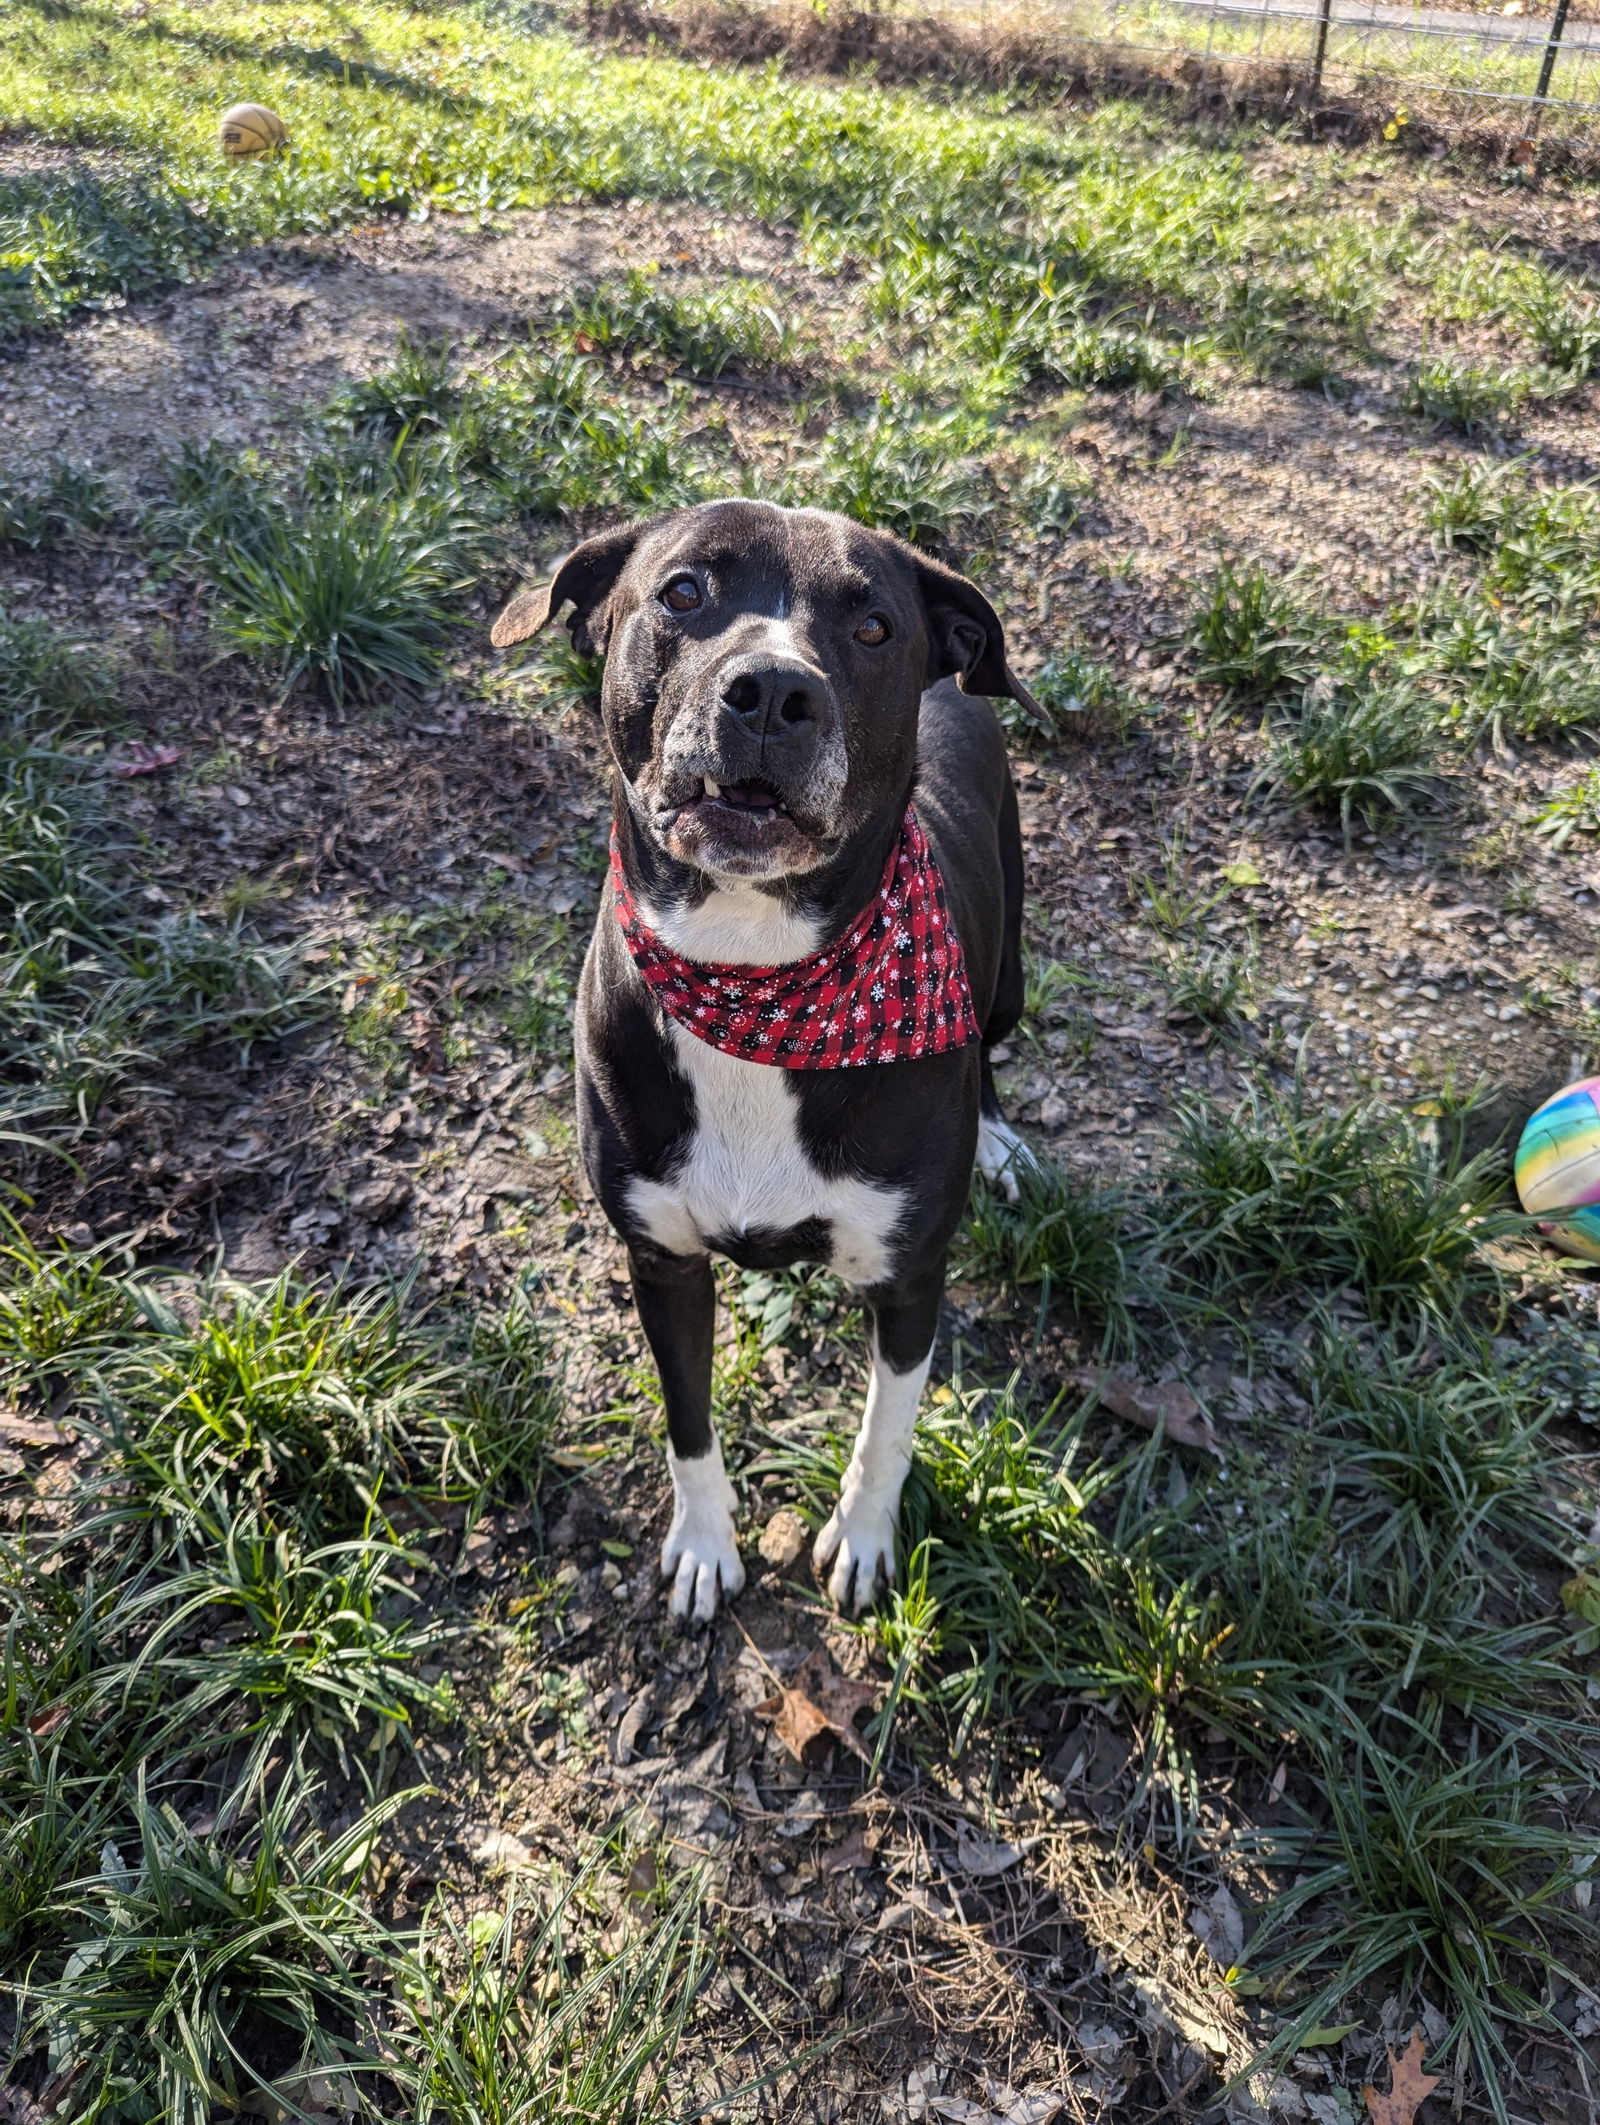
<point>895,985</point>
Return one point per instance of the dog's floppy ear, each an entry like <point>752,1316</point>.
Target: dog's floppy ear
<point>966,633</point>
<point>585,580</point>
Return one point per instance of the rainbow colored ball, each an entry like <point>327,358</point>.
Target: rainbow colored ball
<point>1558,1168</point>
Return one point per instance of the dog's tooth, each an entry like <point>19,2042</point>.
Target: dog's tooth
<point>713,789</point>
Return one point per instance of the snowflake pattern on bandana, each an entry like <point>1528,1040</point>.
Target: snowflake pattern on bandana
<point>893,986</point>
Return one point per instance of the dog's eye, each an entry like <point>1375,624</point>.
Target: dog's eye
<point>873,630</point>
<point>682,594</point>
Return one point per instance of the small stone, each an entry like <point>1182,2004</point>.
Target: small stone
<point>783,1540</point>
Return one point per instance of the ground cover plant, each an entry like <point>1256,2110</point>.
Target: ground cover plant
<point>1234,1711</point>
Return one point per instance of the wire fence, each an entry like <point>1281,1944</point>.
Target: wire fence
<point>1522,76</point>
<point>1517,58</point>
<point>1535,67</point>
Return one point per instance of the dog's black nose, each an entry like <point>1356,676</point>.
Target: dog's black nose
<point>774,697</point>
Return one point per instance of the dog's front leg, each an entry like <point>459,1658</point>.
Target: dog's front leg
<point>677,1303</point>
<point>859,1538</point>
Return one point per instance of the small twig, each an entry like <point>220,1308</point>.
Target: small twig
<point>1190,2084</point>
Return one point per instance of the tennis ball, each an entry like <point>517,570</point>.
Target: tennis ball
<point>250,129</point>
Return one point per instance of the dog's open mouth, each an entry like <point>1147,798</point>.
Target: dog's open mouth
<point>744,828</point>
<point>758,800</point>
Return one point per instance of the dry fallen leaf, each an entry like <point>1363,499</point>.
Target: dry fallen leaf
<point>984,1856</point>
<point>18,1430</point>
<point>1408,2084</point>
<point>142,759</point>
<point>1167,1406</point>
<point>1218,1925</point>
<point>855,1851</point>
<point>819,1708</point>
<point>643,1878</point>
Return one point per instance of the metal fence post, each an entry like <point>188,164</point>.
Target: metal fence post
<point>1324,11</point>
<point>1550,50</point>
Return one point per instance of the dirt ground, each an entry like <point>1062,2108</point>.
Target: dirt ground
<point>1399,965</point>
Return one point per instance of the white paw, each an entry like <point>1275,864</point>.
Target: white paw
<point>859,1543</point>
<point>700,1555</point>
<point>1000,1151</point>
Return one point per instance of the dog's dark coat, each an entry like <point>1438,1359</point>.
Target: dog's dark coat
<point>774,684</point>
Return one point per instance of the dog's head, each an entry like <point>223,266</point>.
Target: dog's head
<point>762,672</point>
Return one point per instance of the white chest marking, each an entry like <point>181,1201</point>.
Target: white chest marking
<point>736,926</point>
<point>746,1170</point>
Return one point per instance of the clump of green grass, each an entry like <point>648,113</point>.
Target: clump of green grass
<point>1367,750</point>
<point>89,990</point>
<point>1573,810</point>
<point>1469,396</point>
<point>898,474</point>
<point>415,392</point>
<point>707,331</point>
<point>44,670</point>
<point>200,1970</point>
<point>59,1312</point>
<point>1564,329</point>
<point>1274,1193</point>
<point>1068,1242</point>
<point>1442,1466</point>
<point>355,600</point>
<point>1441,1878</point>
<point>1075,696</point>
<point>1214,983</point>
<point>494,2024</point>
<point>1473,509</point>
<point>70,502</point>
<point>1513,671</point>
<point>1252,635</point>
<point>77,239</point>
<point>1112,357</point>
<point>296,1409</point>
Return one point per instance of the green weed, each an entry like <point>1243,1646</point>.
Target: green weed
<point>1573,810</point>
<point>1274,1193</point>
<point>1564,329</point>
<point>69,503</point>
<point>1469,396</point>
<point>353,594</point>
<point>301,1411</point>
<point>90,991</point>
<point>703,331</point>
<point>1075,697</point>
<point>1442,1880</point>
<point>1473,509</point>
<point>1365,751</point>
<point>892,471</point>
<point>497,2026</point>
<point>1068,1242</point>
<point>1252,636</point>
<point>42,669</point>
<point>1214,983</point>
<point>416,392</point>
<point>200,1971</point>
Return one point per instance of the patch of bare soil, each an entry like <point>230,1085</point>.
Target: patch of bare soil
<point>235,357</point>
<point>975,1934</point>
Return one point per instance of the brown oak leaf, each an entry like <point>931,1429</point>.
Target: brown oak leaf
<point>1165,1406</point>
<point>819,1708</point>
<point>1408,2084</point>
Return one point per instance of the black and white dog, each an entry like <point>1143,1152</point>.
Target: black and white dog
<point>782,1053</point>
